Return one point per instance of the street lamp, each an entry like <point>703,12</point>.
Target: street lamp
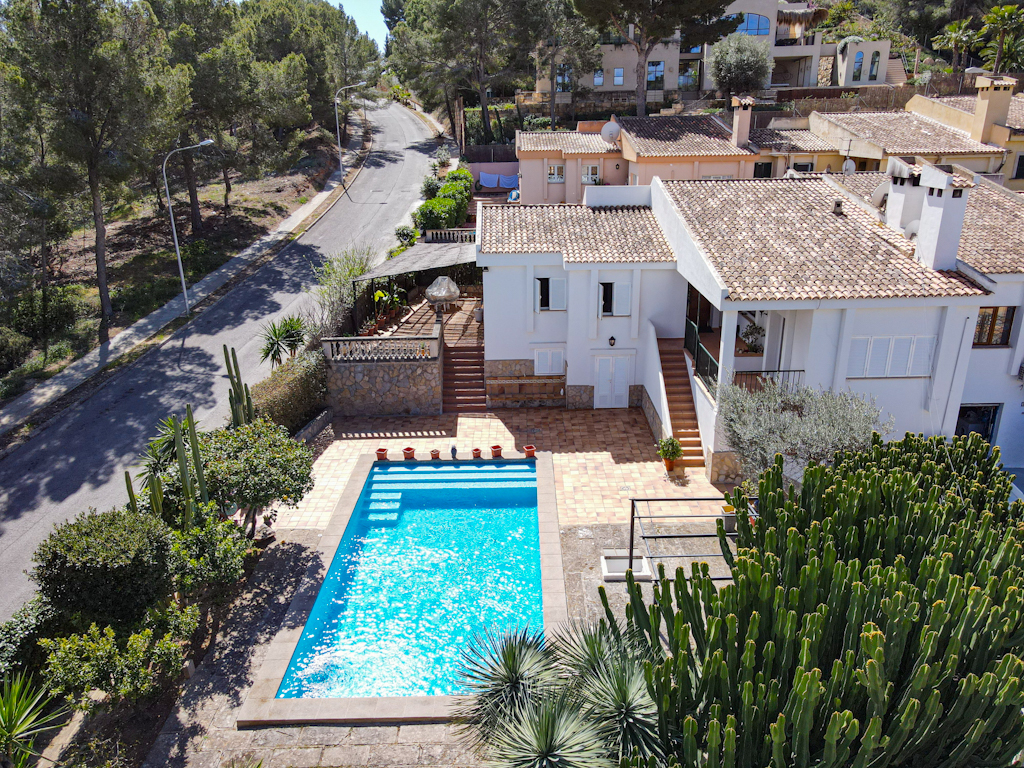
<point>170,210</point>
<point>337,128</point>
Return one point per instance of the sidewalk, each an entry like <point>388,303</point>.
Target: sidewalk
<point>21,408</point>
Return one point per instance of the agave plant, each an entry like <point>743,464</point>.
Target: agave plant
<point>25,713</point>
<point>284,337</point>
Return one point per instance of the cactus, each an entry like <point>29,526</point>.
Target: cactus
<point>239,399</point>
<point>875,619</point>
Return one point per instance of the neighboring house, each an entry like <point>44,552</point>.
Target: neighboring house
<point>995,115</point>
<point>796,50</point>
<point>556,166</point>
<point>902,286</point>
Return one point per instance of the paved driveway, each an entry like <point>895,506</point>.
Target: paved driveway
<point>80,462</point>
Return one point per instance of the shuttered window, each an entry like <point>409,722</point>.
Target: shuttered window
<point>549,362</point>
<point>879,357</point>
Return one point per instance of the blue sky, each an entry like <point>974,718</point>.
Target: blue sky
<point>367,16</point>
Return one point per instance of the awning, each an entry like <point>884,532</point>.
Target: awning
<point>422,257</point>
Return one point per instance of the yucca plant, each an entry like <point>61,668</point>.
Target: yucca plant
<point>25,713</point>
<point>282,338</point>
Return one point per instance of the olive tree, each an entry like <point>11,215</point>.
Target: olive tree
<point>740,64</point>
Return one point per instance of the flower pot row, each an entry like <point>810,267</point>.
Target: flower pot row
<point>435,454</point>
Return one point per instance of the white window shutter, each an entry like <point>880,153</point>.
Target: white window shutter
<point>541,361</point>
<point>921,362</point>
<point>899,362</point>
<point>621,299</point>
<point>556,295</point>
<point>878,356</point>
<point>858,356</point>
<point>557,367</point>
<point>536,294</point>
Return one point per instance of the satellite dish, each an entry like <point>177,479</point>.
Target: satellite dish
<point>610,132</point>
<point>849,166</point>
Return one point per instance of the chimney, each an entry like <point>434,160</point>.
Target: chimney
<point>992,106</point>
<point>741,108</point>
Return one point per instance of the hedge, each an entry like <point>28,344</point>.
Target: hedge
<point>439,213</point>
<point>458,193</point>
<point>14,348</point>
<point>430,186</point>
<point>294,392</point>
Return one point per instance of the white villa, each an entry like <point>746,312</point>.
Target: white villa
<point>901,284</point>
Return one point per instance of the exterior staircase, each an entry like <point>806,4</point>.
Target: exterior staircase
<point>463,388</point>
<point>680,402</point>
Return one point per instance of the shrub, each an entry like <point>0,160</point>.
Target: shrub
<point>439,213</point>
<point>108,567</point>
<point>430,186</point>
<point>208,555</point>
<point>536,123</point>
<point>294,392</point>
<point>670,449</point>
<point>332,295</point>
<point>461,176</point>
<point>443,155</point>
<point>44,315</point>
<point>125,667</point>
<point>142,298</point>
<point>20,635</point>
<point>406,235</point>
<point>14,348</point>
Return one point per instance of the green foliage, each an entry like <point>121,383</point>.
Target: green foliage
<point>127,667</point>
<point>256,465</point>
<point>140,299</point>
<point>14,348</point>
<point>207,555</point>
<point>741,64</point>
<point>669,448</point>
<point>44,314</point>
<point>332,296</point>
<point>1003,24</point>
<point>457,193</point>
<point>430,186</point>
<point>536,123</point>
<point>25,713</point>
<point>294,392</point>
<point>461,176</point>
<point>83,567</point>
<point>439,213</point>
<point>958,37</point>
<point>239,398</point>
<point>406,235</point>
<point>801,423</point>
<point>20,634</point>
<point>284,337</point>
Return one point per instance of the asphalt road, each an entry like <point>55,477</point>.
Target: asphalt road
<point>79,461</point>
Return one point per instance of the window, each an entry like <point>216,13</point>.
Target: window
<point>763,170</point>
<point>656,75</point>
<point>958,193</point>
<point>563,79</point>
<point>556,174</point>
<point>873,72</point>
<point>878,357</point>
<point>548,362</point>
<point>977,418</point>
<point>548,294</point>
<point>617,76</point>
<point>689,75</point>
<point>1019,172</point>
<point>858,66</point>
<point>598,77</point>
<point>803,167</point>
<point>994,325</point>
<point>753,24</point>
<point>615,299</point>
<point>696,49</point>
<point>591,174</point>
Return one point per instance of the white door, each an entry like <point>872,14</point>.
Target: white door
<point>612,388</point>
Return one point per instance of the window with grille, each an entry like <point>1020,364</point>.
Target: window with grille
<point>994,325</point>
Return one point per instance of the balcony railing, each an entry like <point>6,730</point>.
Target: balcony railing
<point>704,363</point>
<point>458,235</point>
<point>355,349</point>
<point>753,381</point>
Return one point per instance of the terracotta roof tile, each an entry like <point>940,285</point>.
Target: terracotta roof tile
<point>789,140</point>
<point>679,136</point>
<point>906,133</point>
<point>781,241</point>
<point>566,142</point>
<point>1014,120</point>
<point>581,234</point>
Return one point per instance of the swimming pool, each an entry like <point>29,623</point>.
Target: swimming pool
<point>433,554</point>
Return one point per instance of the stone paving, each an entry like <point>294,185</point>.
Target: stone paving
<point>601,458</point>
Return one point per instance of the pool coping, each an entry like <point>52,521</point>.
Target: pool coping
<point>260,708</point>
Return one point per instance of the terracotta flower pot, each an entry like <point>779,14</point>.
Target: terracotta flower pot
<point>476,453</point>
<point>435,454</point>
<point>530,451</point>
<point>670,464</point>
<point>382,454</point>
<point>409,453</point>
<point>495,451</point>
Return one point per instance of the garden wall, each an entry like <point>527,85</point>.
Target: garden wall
<point>385,388</point>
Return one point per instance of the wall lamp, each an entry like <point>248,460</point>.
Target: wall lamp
<point>611,341</point>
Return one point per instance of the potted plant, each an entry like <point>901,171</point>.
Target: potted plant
<point>382,454</point>
<point>409,453</point>
<point>669,449</point>
<point>476,453</point>
<point>729,518</point>
<point>530,451</point>
<point>435,454</point>
<point>753,337</point>
<point>495,451</point>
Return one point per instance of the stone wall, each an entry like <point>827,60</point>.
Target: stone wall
<point>723,467</point>
<point>377,388</point>
<point>504,368</point>
<point>653,419</point>
<point>636,395</point>
<point>579,397</point>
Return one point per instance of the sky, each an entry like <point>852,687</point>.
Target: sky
<point>367,16</point>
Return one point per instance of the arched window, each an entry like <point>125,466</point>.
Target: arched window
<point>753,24</point>
<point>858,66</point>
<point>873,72</point>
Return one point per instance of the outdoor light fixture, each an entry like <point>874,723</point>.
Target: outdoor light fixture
<point>616,166</point>
<point>611,341</point>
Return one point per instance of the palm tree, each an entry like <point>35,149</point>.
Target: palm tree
<point>1000,22</point>
<point>284,337</point>
<point>958,37</point>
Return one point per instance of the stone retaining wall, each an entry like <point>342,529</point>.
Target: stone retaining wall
<point>653,419</point>
<point>377,388</point>
<point>579,397</point>
<point>506,368</point>
<point>723,467</point>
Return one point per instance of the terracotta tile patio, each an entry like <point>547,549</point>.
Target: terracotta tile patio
<point>601,458</point>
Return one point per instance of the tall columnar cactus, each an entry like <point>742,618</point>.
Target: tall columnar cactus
<point>239,399</point>
<point>874,619</point>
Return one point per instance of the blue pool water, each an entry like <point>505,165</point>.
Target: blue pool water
<point>433,555</point>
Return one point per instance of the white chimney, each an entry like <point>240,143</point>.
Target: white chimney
<point>741,113</point>
<point>928,204</point>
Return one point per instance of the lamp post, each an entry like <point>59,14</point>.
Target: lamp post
<point>337,128</point>
<point>170,211</point>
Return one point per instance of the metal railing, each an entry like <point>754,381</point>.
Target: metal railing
<point>705,366</point>
<point>754,380</point>
<point>461,235</point>
<point>691,338</point>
